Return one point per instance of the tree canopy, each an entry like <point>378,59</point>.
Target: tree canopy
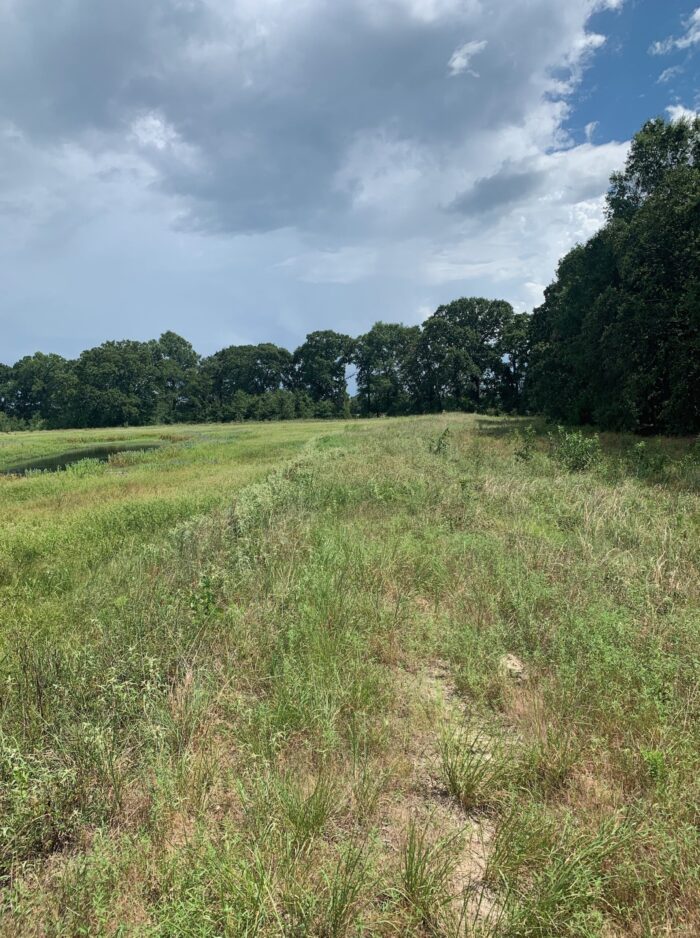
<point>617,340</point>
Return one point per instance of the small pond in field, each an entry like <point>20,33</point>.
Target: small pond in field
<point>61,460</point>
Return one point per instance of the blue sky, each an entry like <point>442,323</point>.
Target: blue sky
<point>251,170</point>
<point>625,84</point>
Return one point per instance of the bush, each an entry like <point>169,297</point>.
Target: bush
<point>8,424</point>
<point>645,462</point>
<point>525,444</point>
<point>573,450</point>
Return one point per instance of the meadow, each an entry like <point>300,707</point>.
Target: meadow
<point>420,676</point>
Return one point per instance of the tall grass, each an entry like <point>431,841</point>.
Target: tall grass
<point>211,707</point>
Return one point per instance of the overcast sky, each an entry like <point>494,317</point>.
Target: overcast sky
<point>251,170</point>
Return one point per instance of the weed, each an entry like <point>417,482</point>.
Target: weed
<point>440,444</point>
<point>306,813</point>
<point>644,461</point>
<point>657,766</point>
<point>547,761</point>
<point>566,896</point>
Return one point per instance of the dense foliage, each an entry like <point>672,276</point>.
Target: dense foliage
<point>468,355</point>
<point>616,341</point>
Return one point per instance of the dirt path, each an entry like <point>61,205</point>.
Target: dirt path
<point>430,707</point>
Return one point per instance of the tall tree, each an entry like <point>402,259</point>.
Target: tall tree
<point>40,387</point>
<point>118,384</point>
<point>319,369</point>
<point>5,377</point>
<point>515,352</point>
<point>657,149</point>
<point>251,369</point>
<point>179,389</point>
<point>617,340</point>
<point>380,356</point>
<point>458,357</point>
<point>566,329</point>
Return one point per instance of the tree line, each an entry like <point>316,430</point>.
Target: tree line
<point>615,343</point>
<point>468,355</point>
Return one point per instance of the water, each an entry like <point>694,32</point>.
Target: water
<point>61,460</point>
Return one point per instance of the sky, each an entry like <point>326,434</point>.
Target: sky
<point>242,171</point>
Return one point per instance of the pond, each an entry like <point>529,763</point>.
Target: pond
<point>61,460</point>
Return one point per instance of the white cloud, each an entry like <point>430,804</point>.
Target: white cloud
<point>520,245</point>
<point>590,129</point>
<point>589,42</point>
<point>151,130</point>
<point>669,74</point>
<point>536,291</point>
<point>678,112</point>
<point>461,57</point>
<point>692,33</point>
<point>691,37</point>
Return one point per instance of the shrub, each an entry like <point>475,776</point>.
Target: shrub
<point>86,467</point>
<point>525,444</point>
<point>573,450</point>
<point>644,462</point>
<point>8,424</point>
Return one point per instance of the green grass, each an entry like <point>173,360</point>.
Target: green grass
<point>251,683</point>
<point>58,526</point>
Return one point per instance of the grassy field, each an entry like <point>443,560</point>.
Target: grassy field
<point>432,676</point>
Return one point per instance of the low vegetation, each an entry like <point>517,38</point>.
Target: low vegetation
<point>421,676</point>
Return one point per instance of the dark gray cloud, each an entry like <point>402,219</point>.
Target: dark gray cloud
<point>495,192</point>
<point>268,99</point>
